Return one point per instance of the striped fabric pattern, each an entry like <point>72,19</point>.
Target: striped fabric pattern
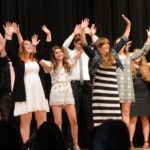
<point>105,99</point>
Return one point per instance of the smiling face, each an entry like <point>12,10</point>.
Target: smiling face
<point>58,54</point>
<point>28,47</point>
<point>103,45</point>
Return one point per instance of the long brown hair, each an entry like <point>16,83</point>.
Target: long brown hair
<point>108,59</point>
<point>143,67</point>
<point>65,59</point>
<point>22,53</point>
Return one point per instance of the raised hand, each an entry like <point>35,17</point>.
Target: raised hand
<point>77,29</point>
<point>84,23</point>
<point>48,33</point>
<point>87,30</point>
<point>46,30</point>
<point>126,20</point>
<point>9,30</point>
<point>16,28</point>
<point>128,45</point>
<point>35,40</point>
<point>93,29</point>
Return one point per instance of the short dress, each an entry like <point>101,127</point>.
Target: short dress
<point>35,97</point>
<point>124,77</point>
<point>125,81</point>
<point>61,91</point>
<point>141,106</point>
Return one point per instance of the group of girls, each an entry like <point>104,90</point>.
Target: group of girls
<point>117,77</point>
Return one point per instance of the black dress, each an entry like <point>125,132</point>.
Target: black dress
<point>141,106</point>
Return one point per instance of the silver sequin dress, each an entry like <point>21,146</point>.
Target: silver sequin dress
<point>124,77</point>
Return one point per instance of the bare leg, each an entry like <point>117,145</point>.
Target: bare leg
<point>25,126</point>
<point>71,112</point>
<point>126,113</point>
<point>145,128</point>
<point>133,122</point>
<point>40,117</point>
<point>57,112</point>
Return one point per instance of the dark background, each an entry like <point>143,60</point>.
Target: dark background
<point>62,15</point>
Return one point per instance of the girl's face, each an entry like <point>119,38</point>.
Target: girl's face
<point>58,54</point>
<point>104,49</point>
<point>28,47</point>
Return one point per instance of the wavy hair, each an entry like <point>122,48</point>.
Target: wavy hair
<point>65,59</point>
<point>108,59</point>
<point>22,53</point>
<point>143,67</point>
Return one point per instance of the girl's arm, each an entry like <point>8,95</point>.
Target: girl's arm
<point>13,55</point>
<point>124,38</point>
<point>77,30</point>
<point>17,32</point>
<point>46,44</point>
<point>85,46</point>
<point>46,65</point>
<point>145,49</point>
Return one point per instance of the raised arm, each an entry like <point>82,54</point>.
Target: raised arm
<point>85,46</point>
<point>77,30</point>
<point>46,65</point>
<point>13,55</point>
<point>17,32</point>
<point>124,38</point>
<point>128,26</point>
<point>145,49</point>
<point>48,33</point>
<point>92,33</point>
<point>47,43</point>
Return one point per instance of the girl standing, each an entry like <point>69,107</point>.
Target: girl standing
<point>61,96</point>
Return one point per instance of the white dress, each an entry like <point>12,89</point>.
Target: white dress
<point>61,91</point>
<point>35,98</point>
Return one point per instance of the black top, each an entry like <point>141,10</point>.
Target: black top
<point>5,84</point>
<point>19,94</point>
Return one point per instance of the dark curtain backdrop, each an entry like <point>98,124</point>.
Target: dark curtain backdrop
<point>62,15</point>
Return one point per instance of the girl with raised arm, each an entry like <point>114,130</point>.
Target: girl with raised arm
<point>105,99</point>
<point>61,96</point>
<point>28,92</point>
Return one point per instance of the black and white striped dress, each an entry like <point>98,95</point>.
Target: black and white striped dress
<point>105,99</point>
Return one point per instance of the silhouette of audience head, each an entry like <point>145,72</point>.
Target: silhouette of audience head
<point>10,137</point>
<point>111,135</point>
<point>48,137</point>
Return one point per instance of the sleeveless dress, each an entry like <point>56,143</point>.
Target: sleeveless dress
<point>105,99</point>
<point>124,77</point>
<point>125,81</point>
<point>61,91</point>
<point>35,97</point>
<point>141,106</point>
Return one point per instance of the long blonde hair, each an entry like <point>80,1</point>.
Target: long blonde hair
<point>65,59</point>
<point>22,53</point>
<point>143,67</point>
<point>108,59</point>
